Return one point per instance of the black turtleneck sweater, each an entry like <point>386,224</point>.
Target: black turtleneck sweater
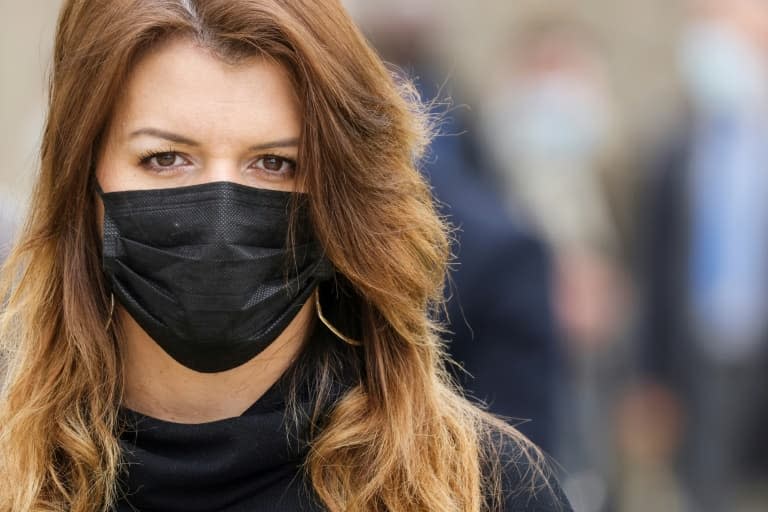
<point>248,463</point>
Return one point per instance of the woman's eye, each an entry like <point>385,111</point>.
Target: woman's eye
<point>166,160</point>
<point>276,164</point>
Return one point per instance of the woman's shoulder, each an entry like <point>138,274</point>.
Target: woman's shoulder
<point>526,479</point>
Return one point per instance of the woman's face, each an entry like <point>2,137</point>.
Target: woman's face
<point>186,117</point>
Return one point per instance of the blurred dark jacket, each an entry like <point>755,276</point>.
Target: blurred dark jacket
<point>665,240</point>
<point>500,312</point>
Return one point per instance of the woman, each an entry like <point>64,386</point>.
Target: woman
<point>222,298</point>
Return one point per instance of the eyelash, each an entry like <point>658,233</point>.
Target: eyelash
<point>146,158</point>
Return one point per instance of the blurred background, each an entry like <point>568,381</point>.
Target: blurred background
<point>604,164</point>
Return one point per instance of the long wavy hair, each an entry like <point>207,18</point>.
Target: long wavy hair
<point>401,438</point>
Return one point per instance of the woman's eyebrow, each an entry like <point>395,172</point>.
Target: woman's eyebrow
<point>181,139</point>
<point>162,134</point>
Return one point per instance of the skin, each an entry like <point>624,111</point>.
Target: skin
<point>748,18</point>
<point>237,123</point>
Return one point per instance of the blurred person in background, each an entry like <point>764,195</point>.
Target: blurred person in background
<point>551,119</point>
<point>707,254</point>
<point>9,211</point>
<point>501,309</point>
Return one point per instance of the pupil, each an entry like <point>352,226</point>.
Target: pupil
<point>166,159</point>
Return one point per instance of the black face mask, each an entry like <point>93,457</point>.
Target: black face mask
<point>205,270</point>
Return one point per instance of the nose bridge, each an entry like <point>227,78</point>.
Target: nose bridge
<point>222,168</point>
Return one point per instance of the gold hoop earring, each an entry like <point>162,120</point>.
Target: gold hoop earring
<point>330,327</point>
<point>111,311</point>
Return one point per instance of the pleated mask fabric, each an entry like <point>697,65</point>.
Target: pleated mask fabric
<point>206,269</point>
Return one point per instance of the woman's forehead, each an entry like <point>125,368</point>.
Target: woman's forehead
<point>182,87</point>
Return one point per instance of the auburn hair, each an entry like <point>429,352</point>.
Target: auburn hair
<point>402,437</point>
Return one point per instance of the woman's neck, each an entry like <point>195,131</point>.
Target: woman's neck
<point>157,386</point>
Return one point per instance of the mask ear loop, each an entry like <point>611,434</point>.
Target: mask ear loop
<point>330,327</point>
<point>111,311</point>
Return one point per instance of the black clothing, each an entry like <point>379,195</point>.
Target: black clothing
<point>252,463</point>
<point>247,463</point>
